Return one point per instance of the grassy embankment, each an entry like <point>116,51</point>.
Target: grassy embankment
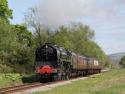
<point>112,82</point>
<point>9,79</point>
<point>12,79</point>
<point>13,74</point>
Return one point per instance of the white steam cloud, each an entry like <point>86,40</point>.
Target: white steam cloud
<point>58,12</point>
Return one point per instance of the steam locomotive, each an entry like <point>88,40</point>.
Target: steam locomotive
<point>54,62</point>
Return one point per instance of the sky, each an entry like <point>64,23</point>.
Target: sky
<point>105,17</point>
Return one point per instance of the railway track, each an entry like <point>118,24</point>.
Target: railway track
<point>19,88</point>
<point>14,89</point>
<point>11,90</point>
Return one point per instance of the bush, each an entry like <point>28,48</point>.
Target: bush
<point>9,79</point>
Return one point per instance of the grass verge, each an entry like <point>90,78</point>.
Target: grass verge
<point>112,82</point>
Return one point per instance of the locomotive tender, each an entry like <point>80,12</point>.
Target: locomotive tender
<point>53,62</point>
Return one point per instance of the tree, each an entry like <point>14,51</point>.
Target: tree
<point>8,42</point>
<point>76,37</point>
<point>16,43</point>
<point>122,61</point>
<point>24,37</point>
<point>5,12</point>
<point>79,39</point>
<point>33,22</point>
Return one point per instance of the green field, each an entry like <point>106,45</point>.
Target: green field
<point>112,82</point>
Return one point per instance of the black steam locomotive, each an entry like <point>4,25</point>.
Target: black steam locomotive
<point>53,62</point>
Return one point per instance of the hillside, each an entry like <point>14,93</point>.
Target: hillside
<point>115,58</point>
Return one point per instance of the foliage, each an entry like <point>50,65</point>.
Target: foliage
<point>23,35</point>
<point>4,68</point>
<point>16,46</point>
<point>76,37</point>
<point>9,79</point>
<point>8,42</point>
<point>122,61</point>
<point>24,38</point>
<point>5,12</point>
<point>17,43</point>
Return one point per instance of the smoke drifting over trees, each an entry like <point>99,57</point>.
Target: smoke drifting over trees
<point>58,12</point>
